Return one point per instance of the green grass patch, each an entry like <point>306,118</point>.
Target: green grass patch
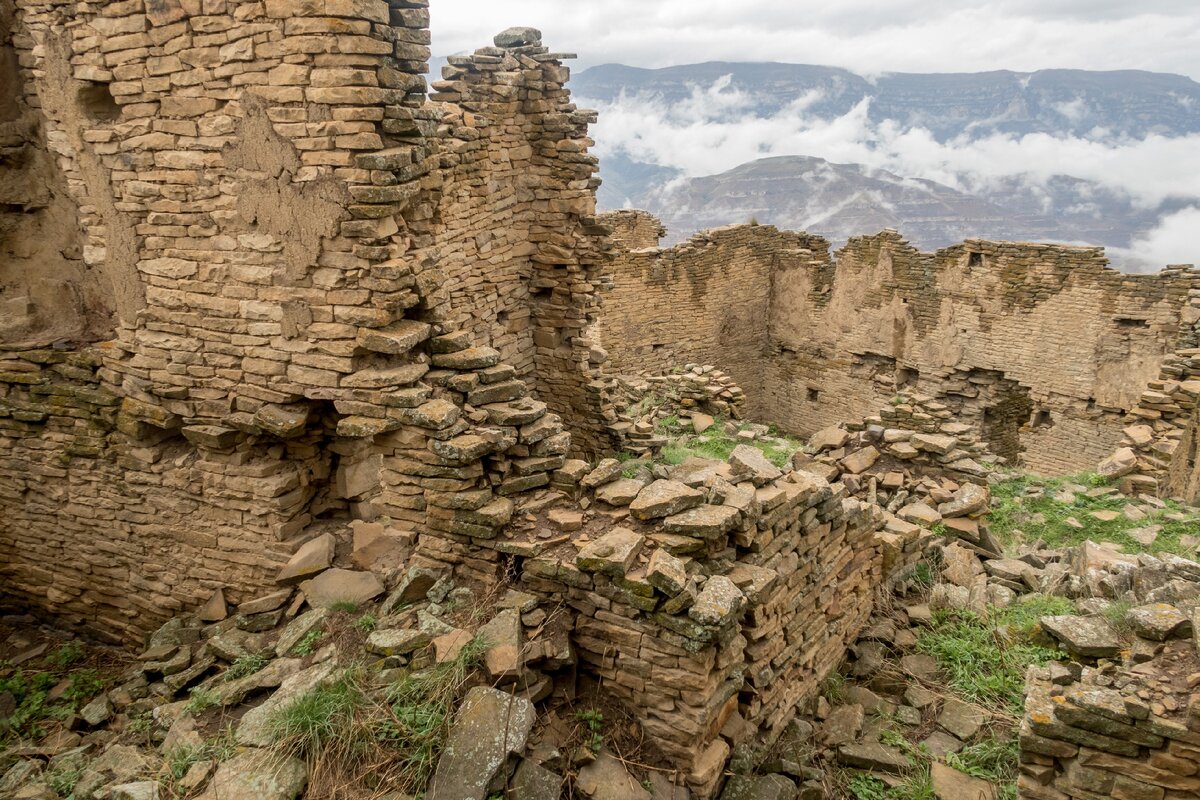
<point>1026,509</point>
<point>419,711</point>
<point>992,759</point>
<point>322,723</point>
<point>306,645</point>
<point>980,667</point>
<point>199,701</point>
<point>715,443</point>
<point>246,665</point>
<point>1022,617</point>
<point>30,692</point>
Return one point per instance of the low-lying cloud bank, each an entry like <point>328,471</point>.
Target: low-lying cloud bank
<point>715,129</point>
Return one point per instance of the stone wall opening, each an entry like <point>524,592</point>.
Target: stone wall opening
<point>97,102</point>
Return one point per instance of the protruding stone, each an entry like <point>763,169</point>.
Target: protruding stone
<point>489,726</point>
<point>313,557</point>
<point>520,36</point>
<point>663,498</point>
<point>612,554</point>
<point>337,586</point>
<point>1092,637</point>
<point>749,462</point>
<point>719,602</point>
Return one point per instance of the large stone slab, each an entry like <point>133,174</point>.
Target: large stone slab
<point>612,554</point>
<point>607,779</point>
<point>488,727</point>
<point>1092,637</point>
<point>313,557</point>
<point>950,784</point>
<point>257,775</point>
<point>703,521</point>
<point>336,586</point>
<point>750,463</point>
<point>255,727</point>
<point>664,498</point>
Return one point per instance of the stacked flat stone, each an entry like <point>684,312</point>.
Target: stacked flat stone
<point>723,589</point>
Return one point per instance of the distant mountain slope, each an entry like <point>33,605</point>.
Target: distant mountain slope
<point>835,200</point>
<point>1102,105</point>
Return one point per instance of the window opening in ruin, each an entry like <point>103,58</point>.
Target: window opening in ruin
<point>975,260</point>
<point>97,101</point>
<point>1041,419</point>
<point>812,394</point>
<point>1009,410</point>
<point>1132,322</point>
<point>906,377</point>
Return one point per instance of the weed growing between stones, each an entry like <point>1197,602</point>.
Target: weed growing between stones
<point>199,701</point>
<point>981,668</point>
<point>717,443</point>
<point>358,737</point>
<point>246,665</point>
<point>35,703</point>
<point>306,645</point>
<point>1063,512</point>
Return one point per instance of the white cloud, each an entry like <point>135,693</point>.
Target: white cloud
<point>868,36</point>
<point>705,134</point>
<point>1173,241</point>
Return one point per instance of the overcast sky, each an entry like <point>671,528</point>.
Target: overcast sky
<point>868,36</point>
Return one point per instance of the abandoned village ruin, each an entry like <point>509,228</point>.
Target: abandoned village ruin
<point>263,293</point>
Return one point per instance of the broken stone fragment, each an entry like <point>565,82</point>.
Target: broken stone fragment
<point>608,469</point>
<point>612,554</point>
<point>336,586</point>
<point>313,557</point>
<point>282,421</point>
<point>255,728</point>
<point>214,609</point>
<point>872,756</point>
<point>666,573</point>
<point>860,460</point>
<point>749,463</point>
<point>1092,637</point>
<point>502,635</point>
<point>395,339</point>
<point>298,628</point>
<point>489,726</point>
<point>412,588</point>
<point>720,601</point>
<point>518,37</point>
<point>468,359</point>
<point>936,443</point>
<point>1120,463</point>
<point>950,784</point>
<point>620,492</point>
<point>830,438</point>
<point>258,775</point>
<point>397,642</point>
<point>703,522</point>
<point>968,500</point>
<point>663,498</point>
<point>269,602</point>
<point>963,720</point>
<point>606,778</point>
<point>1159,622</point>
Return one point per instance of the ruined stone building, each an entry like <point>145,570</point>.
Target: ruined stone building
<point>258,280</point>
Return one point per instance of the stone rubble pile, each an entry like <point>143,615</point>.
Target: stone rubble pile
<point>634,405</point>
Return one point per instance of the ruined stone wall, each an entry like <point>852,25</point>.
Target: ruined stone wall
<point>633,229</point>
<point>1040,347</point>
<point>262,188</point>
<point>518,250</point>
<point>705,301</point>
<point>46,291</point>
<point>1131,733</point>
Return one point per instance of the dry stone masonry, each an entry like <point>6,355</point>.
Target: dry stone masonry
<point>284,327</point>
<point>1041,348</point>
